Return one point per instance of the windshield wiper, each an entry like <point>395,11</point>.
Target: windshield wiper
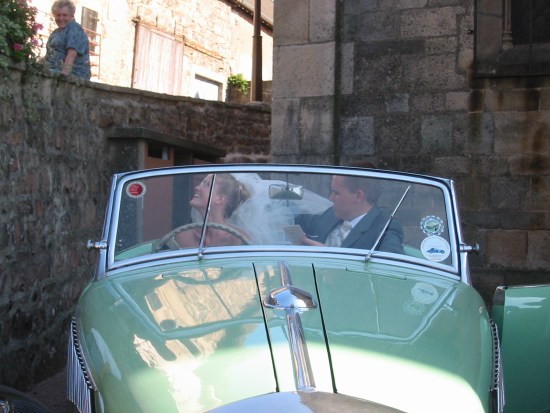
<point>205,221</point>
<point>367,257</point>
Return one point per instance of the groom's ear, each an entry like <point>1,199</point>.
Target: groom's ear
<point>360,195</point>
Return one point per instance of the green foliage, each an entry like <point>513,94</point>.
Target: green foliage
<point>239,82</point>
<point>18,30</point>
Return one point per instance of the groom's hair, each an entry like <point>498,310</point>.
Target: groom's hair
<point>371,187</point>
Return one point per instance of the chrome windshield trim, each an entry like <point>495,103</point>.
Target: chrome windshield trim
<point>120,180</point>
<point>103,262</point>
<point>462,258</point>
<point>283,168</point>
<point>312,253</point>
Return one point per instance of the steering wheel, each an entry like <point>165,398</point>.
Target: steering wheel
<point>169,240</point>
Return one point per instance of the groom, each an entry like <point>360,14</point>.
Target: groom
<point>354,220</point>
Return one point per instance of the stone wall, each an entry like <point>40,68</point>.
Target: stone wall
<point>393,83</point>
<point>55,168</point>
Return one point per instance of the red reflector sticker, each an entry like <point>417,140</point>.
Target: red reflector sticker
<point>135,190</point>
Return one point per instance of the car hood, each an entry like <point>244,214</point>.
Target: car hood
<point>187,337</point>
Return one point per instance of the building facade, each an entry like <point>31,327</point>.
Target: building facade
<point>178,47</point>
<point>455,88</point>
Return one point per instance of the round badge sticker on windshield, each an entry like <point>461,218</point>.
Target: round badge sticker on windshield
<point>432,225</point>
<point>135,189</point>
<point>435,248</point>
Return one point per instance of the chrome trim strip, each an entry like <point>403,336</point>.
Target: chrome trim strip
<point>294,301</point>
<point>102,264</point>
<point>497,385</point>
<point>387,224</point>
<point>460,258</point>
<point>360,259</point>
<point>499,296</point>
<point>283,168</point>
<point>80,385</point>
<point>289,251</point>
<point>512,287</point>
<point>205,222</point>
<point>302,401</point>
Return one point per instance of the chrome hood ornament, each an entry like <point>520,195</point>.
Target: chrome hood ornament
<point>294,301</point>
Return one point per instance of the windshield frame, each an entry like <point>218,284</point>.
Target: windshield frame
<point>120,180</point>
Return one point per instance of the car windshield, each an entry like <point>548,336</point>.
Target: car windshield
<point>202,209</point>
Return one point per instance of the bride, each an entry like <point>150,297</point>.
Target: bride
<point>215,199</point>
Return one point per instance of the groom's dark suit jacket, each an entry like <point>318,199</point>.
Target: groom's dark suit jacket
<point>363,235</point>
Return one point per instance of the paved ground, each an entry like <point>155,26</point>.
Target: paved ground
<point>51,393</point>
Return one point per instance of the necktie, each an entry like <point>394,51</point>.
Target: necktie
<point>345,229</point>
<point>339,234</point>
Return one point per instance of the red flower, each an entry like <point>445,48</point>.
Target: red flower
<point>17,46</point>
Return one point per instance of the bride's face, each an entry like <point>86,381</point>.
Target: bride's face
<point>200,197</point>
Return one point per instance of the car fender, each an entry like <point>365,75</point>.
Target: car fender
<point>522,314</point>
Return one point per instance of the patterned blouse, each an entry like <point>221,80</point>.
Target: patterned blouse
<point>71,36</point>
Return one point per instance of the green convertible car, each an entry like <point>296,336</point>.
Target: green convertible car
<point>286,288</point>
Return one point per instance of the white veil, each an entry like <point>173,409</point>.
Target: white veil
<point>264,219</point>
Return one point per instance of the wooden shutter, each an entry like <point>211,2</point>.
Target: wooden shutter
<point>158,63</point>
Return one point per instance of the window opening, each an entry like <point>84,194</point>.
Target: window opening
<point>89,22</point>
<point>512,37</point>
<point>530,21</point>
<point>207,89</point>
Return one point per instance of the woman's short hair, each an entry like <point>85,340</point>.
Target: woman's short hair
<point>58,4</point>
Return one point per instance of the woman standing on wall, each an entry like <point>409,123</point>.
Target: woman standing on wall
<point>68,49</point>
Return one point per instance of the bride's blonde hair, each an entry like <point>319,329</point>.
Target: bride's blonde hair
<point>234,191</point>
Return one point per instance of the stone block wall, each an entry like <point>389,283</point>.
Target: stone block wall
<point>55,168</point>
<point>304,81</point>
<point>393,83</point>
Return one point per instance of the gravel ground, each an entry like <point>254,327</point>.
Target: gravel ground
<point>51,393</point>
